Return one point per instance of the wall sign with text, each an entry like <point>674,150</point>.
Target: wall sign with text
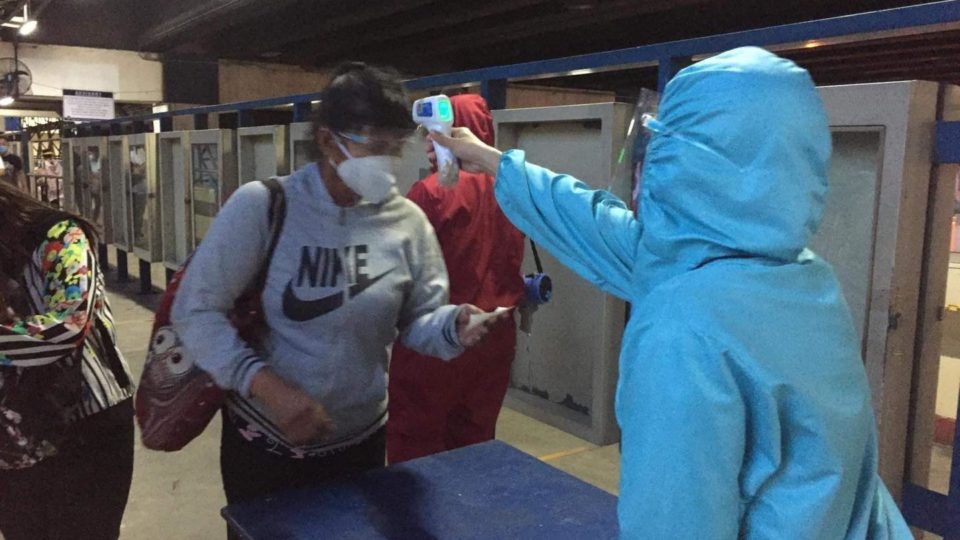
<point>88,105</point>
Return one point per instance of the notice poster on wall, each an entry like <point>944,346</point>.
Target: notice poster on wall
<point>88,105</point>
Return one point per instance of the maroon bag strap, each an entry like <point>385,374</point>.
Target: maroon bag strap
<point>276,215</point>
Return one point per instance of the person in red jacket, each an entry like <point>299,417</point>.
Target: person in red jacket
<point>435,405</point>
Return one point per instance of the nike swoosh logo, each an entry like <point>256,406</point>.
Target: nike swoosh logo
<point>365,283</point>
<point>299,310</point>
<point>303,310</point>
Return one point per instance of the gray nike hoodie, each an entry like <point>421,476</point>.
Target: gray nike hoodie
<point>342,283</point>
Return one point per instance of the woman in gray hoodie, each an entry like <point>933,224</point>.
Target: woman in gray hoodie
<point>355,266</point>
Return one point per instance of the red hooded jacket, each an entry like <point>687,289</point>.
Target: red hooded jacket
<point>437,405</point>
<point>482,249</point>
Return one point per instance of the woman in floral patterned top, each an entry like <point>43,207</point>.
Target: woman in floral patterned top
<point>66,414</point>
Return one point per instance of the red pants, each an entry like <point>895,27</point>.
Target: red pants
<point>437,406</point>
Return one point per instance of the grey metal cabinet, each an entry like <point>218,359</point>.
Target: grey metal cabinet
<point>72,164</point>
<point>565,371</point>
<point>301,145</point>
<point>143,195</point>
<point>262,152</point>
<point>118,172</point>
<point>173,169</point>
<point>873,233</point>
<point>96,170</point>
<point>212,176</point>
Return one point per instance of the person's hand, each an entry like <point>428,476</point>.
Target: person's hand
<point>472,335</point>
<point>474,154</point>
<point>301,418</point>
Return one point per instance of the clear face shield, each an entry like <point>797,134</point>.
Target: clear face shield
<point>629,165</point>
<point>377,141</point>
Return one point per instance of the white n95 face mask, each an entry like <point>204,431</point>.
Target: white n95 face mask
<point>371,177</point>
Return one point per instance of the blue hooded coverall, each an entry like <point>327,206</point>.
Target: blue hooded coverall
<point>742,397</point>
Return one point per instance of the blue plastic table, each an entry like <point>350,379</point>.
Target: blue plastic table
<point>487,491</point>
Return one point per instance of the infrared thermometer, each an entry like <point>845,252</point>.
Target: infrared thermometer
<point>435,113</point>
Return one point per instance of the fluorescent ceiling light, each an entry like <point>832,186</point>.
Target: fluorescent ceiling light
<point>28,27</point>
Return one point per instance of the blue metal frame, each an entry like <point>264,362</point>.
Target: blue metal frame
<point>668,67</point>
<point>948,142</point>
<point>932,511</point>
<point>301,111</point>
<point>495,92</point>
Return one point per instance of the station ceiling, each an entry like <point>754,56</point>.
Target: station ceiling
<point>423,37</point>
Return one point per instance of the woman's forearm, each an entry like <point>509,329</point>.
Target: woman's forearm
<point>490,160</point>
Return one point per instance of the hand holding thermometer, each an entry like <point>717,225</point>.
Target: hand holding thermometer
<point>436,114</point>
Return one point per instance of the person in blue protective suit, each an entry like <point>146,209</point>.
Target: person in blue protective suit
<point>742,397</point>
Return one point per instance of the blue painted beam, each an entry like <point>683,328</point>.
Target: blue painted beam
<point>948,144</point>
<point>876,21</point>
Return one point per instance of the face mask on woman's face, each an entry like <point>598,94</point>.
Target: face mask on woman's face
<point>4,149</point>
<point>371,177</point>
